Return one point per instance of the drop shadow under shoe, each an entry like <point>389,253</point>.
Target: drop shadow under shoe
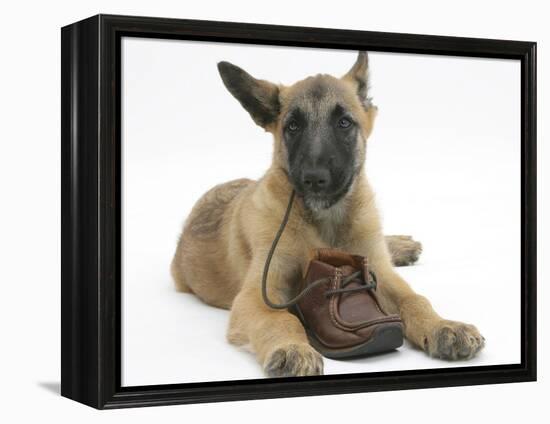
<point>342,315</point>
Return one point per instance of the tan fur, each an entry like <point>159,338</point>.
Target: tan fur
<point>403,250</point>
<point>221,255</point>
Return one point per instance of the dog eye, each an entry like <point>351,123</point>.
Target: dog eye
<point>293,126</point>
<point>344,123</point>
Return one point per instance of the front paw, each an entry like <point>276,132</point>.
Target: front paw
<point>454,340</point>
<point>293,360</point>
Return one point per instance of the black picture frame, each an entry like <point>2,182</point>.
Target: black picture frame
<point>91,210</point>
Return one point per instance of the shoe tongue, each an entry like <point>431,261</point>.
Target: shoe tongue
<point>336,258</point>
<point>347,270</point>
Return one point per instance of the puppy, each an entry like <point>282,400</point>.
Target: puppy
<point>320,127</point>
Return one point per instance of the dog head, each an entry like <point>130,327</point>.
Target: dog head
<point>320,126</point>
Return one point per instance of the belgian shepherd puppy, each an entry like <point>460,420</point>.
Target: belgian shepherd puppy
<point>320,127</point>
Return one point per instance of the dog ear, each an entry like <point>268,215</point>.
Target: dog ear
<point>260,98</point>
<point>359,76</point>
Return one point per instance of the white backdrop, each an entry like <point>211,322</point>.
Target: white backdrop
<point>444,159</point>
<point>30,226</point>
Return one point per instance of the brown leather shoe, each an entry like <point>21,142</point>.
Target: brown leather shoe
<point>342,315</point>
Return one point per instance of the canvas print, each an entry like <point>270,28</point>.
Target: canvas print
<point>298,211</point>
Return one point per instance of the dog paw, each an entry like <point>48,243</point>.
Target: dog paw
<point>453,340</point>
<point>294,360</point>
<point>404,250</point>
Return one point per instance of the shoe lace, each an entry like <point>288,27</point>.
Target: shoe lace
<point>363,284</point>
<point>366,284</point>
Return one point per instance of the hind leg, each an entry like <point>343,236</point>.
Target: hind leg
<point>179,281</point>
<point>404,250</point>
<point>196,267</point>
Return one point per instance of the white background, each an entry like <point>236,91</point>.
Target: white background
<point>30,243</point>
<point>444,160</point>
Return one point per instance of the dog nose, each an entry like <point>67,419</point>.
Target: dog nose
<point>316,179</point>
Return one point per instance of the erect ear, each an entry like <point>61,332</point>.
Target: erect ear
<point>359,76</point>
<point>260,98</point>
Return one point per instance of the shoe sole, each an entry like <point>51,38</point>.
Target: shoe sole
<point>385,338</point>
